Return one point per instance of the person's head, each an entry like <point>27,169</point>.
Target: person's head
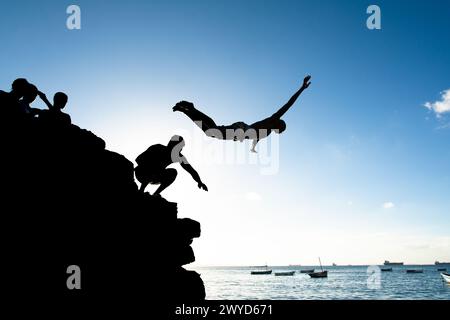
<point>19,87</point>
<point>31,93</point>
<point>176,141</point>
<point>279,126</point>
<point>60,100</point>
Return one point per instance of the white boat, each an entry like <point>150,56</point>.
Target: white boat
<point>446,276</point>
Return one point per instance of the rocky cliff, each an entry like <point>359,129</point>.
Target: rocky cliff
<point>66,200</point>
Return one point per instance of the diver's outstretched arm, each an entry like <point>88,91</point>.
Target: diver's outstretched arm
<point>199,118</point>
<point>292,100</point>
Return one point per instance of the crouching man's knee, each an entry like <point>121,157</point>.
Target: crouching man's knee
<point>170,175</point>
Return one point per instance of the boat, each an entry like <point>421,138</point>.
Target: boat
<point>442,269</point>
<point>388,263</point>
<point>285,273</point>
<point>261,272</point>
<point>320,274</point>
<point>446,276</point>
<point>334,265</point>
<point>307,271</point>
<point>437,263</point>
<point>414,271</point>
<point>386,269</point>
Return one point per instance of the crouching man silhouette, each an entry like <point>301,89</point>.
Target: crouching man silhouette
<point>152,165</point>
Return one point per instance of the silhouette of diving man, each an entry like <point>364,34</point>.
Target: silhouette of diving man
<point>240,130</point>
<point>153,162</point>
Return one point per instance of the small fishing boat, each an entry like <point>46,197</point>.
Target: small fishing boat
<point>437,263</point>
<point>285,273</point>
<point>320,274</point>
<point>265,270</point>
<point>414,271</point>
<point>446,276</point>
<point>442,269</point>
<point>260,272</point>
<point>307,271</point>
<point>386,269</point>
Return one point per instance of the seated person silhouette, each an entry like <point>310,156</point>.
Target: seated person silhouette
<point>240,130</point>
<point>153,162</point>
<point>9,101</point>
<point>54,112</point>
<point>28,98</point>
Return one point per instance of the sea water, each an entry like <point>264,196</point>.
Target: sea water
<point>343,282</point>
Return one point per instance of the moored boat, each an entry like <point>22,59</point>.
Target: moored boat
<point>442,269</point>
<point>285,273</point>
<point>414,271</point>
<point>386,269</point>
<point>260,272</point>
<point>320,274</point>
<point>437,263</point>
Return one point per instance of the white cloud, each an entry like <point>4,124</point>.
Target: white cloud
<point>388,205</point>
<point>253,196</point>
<point>441,106</point>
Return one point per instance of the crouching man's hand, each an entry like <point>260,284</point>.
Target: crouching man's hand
<point>203,186</point>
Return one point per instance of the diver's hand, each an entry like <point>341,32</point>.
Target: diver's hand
<point>306,82</point>
<point>203,186</point>
<point>183,105</point>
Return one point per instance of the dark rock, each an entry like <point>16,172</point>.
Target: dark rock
<point>67,200</point>
<point>188,228</point>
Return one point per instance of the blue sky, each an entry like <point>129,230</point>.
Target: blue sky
<point>358,139</point>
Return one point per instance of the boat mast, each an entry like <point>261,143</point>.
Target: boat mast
<point>320,264</point>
